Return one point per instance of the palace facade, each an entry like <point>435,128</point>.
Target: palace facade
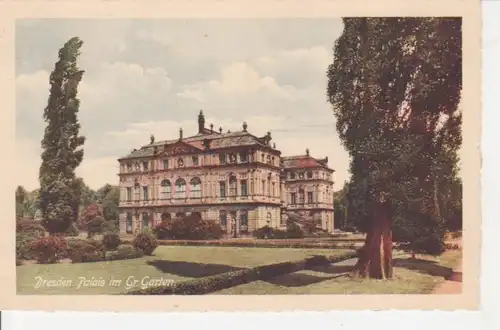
<point>236,179</point>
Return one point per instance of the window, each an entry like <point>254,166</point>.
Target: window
<point>263,188</point>
<point>222,158</point>
<point>269,187</point>
<point>272,160</point>
<point>180,188</point>
<point>301,175</point>
<point>274,189</point>
<point>232,186</point>
<point>180,162</point>
<point>137,192</point>
<point>309,175</point>
<point>195,188</point>
<point>309,197</point>
<point>292,175</point>
<point>252,191</point>
<point>268,218</point>
<point>166,189</point>
<point>223,219</point>
<point>293,198</point>
<point>145,193</point>
<point>145,166</point>
<point>129,222</point>
<point>268,159</point>
<point>129,167</point>
<point>195,160</point>
<point>301,196</point>
<point>243,157</point>
<point>243,184</point>
<point>165,163</point>
<point>244,221</point>
<point>145,220</point>
<point>222,189</point>
<point>232,158</point>
<point>263,157</point>
<point>129,194</point>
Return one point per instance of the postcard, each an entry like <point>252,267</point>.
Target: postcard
<point>234,155</point>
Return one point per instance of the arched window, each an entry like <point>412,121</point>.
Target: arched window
<point>232,186</point>
<point>268,218</point>
<point>137,192</point>
<point>244,221</point>
<point>180,188</point>
<point>195,188</point>
<point>301,196</point>
<point>166,189</point>
<point>165,216</point>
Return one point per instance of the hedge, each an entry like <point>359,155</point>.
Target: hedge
<point>222,281</point>
<point>257,244</point>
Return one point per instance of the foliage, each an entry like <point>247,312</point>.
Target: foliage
<point>125,252</point>
<point>84,251</point>
<point>62,144</point>
<point>24,250</point>
<point>21,199</point>
<point>72,231</point>
<point>111,241</point>
<point>109,197</point>
<point>293,231</point>
<point>30,227</point>
<point>222,281</point>
<point>145,242</point>
<point>190,227</point>
<point>395,85</point>
<point>49,249</point>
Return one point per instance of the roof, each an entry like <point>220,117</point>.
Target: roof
<point>305,161</point>
<point>216,141</point>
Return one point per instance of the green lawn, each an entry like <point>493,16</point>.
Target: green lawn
<point>412,277</point>
<point>176,263</point>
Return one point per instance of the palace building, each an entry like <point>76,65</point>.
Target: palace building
<point>236,179</point>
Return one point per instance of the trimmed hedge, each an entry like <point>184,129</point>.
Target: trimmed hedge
<point>124,252</point>
<point>258,244</point>
<point>230,279</point>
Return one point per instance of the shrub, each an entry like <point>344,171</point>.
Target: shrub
<point>50,249</point>
<point>30,227</point>
<point>163,230</point>
<point>125,252</point>
<point>84,251</point>
<point>145,242</point>
<point>294,231</point>
<point>111,241</point>
<point>263,232</point>
<point>191,227</point>
<point>24,250</point>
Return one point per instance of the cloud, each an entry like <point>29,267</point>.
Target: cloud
<point>146,77</point>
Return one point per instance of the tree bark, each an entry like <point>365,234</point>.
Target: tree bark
<point>375,259</point>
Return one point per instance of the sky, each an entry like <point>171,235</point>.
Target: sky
<point>146,77</point>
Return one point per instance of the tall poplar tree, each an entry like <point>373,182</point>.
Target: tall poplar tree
<point>395,86</point>
<point>62,143</point>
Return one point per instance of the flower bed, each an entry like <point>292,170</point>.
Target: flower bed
<point>226,280</point>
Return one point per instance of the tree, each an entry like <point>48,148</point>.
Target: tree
<point>109,197</point>
<point>395,85</point>
<point>62,150</point>
<point>21,200</point>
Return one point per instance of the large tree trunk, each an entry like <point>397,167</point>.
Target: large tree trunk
<point>375,259</point>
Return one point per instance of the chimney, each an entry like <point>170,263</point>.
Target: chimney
<point>220,130</point>
<point>201,122</point>
<point>245,126</point>
<point>180,134</point>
